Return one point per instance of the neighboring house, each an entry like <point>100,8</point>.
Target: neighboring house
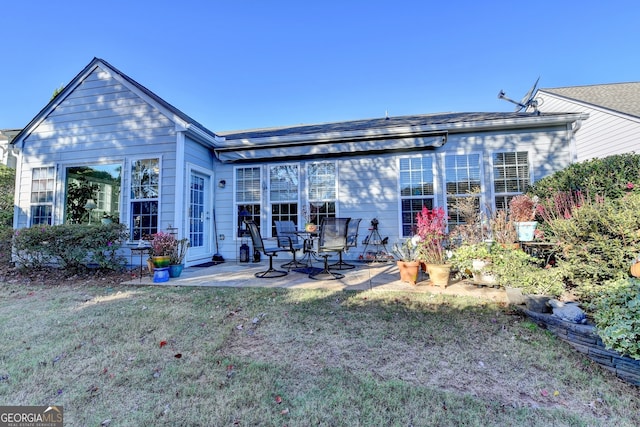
<point>7,155</point>
<point>152,167</point>
<point>613,126</point>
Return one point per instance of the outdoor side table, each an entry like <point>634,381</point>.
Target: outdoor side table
<point>141,251</point>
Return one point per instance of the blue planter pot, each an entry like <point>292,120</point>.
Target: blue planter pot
<point>526,230</point>
<point>175,270</point>
<point>160,274</point>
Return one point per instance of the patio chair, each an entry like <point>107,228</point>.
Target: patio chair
<point>333,239</point>
<point>258,245</point>
<point>289,240</point>
<point>352,242</point>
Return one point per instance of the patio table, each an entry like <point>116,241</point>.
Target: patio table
<point>310,248</point>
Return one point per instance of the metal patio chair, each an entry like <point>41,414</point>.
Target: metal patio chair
<point>333,239</point>
<point>352,242</point>
<point>258,245</point>
<point>289,240</point>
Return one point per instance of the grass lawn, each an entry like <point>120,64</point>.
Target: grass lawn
<point>143,356</point>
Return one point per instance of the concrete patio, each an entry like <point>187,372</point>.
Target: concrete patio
<point>366,276</point>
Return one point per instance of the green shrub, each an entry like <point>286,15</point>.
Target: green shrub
<point>598,242</point>
<point>70,246</point>
<point>7,189</point>
<point>617,317</point>
<point>611,177</point>
<point>517,269</point>
<point>5,245</point>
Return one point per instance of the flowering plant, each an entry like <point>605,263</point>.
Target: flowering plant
<point>163,244</point>
<point>432,230</point>
<point>408,250</point>
<point>522,208</point>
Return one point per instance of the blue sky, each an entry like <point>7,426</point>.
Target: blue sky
<point>242,64</point>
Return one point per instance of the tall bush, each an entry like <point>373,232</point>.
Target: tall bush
<point>610,177</point>
<point>598,242</point>
<point>70,246</point>
<point>7,189</point>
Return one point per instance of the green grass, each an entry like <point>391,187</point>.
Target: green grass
<point>274,357</point>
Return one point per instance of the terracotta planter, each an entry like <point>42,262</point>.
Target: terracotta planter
<point>409,271</point>
<point>439,274</point>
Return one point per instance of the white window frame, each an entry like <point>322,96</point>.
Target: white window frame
<point>132,200</point>
<point>447,196</point>
<point>271,202</point>
<point>323,200</point>
<point>402,198</point>
<point>508,195</point>
<point>237,203</point>
<point>48,203</point>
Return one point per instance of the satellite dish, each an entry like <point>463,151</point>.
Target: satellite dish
<point>526,102</point>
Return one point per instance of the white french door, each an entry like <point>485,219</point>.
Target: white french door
<point>200,215</point>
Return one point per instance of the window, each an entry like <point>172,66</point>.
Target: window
<point>416,189</point>
<point>248,195</point>
<point>322,191</point>
<point>283,194</point>
<point>42,190</point>
<point>462,180</point>
<point>145,189</point>
<point>511,176</point>
<point>97,184</point>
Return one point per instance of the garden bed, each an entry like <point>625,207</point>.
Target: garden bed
<point>585,339</point>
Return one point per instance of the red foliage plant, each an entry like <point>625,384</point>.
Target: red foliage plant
<point>431,226</point>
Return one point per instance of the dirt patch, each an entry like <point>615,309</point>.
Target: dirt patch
<point>53,277</point>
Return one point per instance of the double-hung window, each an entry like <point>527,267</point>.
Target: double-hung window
<point>462,181</point>
<point>322,191</point>
<point>42,191</point>
<point>511,176</point>
<point>248,197</point>
<point>283,194</point>
<point>145,192</point>
<point>416,189</point>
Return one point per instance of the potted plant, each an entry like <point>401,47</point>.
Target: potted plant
<point>162,245</point>
<point>176,259</point>
<point>476,259</point>
<point>522,210</point>
<point>408,263</point>
<point>431,227</point>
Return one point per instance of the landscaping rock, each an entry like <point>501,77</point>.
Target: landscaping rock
<point>568,311</point>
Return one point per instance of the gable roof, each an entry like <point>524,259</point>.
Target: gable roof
<point>619,97</point>
<point>197,130</point>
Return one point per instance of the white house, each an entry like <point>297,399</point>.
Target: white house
<point>153,167</point>
<point>613,126</point>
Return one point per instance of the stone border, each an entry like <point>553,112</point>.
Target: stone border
<point>585,339</point>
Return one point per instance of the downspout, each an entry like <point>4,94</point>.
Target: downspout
<point>179,206</point>
<point>573,129</point>
<point>16,192</point>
